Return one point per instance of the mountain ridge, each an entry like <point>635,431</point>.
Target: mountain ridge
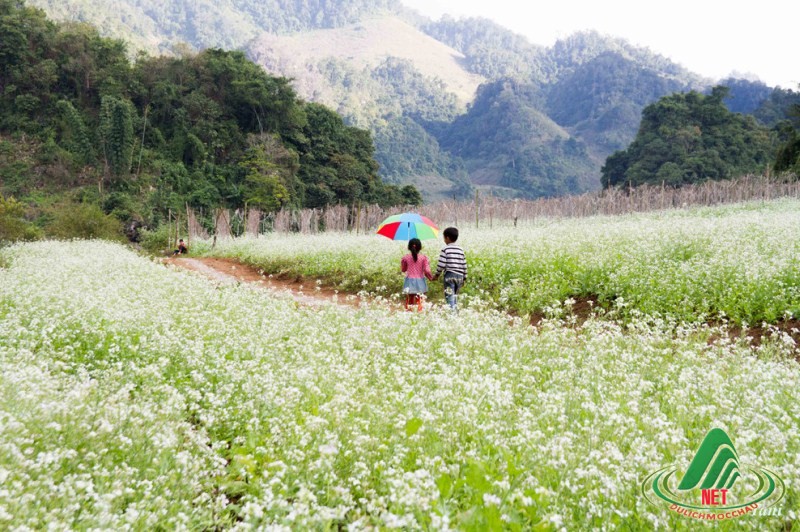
<point>339,53</point>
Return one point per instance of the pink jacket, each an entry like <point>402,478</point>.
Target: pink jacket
<point>416,270</point>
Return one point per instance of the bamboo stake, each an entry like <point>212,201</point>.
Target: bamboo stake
<point>169,230</point>
<point>477,215</point>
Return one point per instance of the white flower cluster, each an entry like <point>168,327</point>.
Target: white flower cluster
<point>736,261</point>
<point>133,396</point>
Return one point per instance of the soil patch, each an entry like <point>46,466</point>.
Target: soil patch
<point>583,308</point>
<point>757,334</point>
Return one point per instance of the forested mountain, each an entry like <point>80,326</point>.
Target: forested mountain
<point>79,120</point>
<point>589,87</point>
<point>389,77</point>
<point>779,105</point>
<point>601,99</point>
<point>745,96</point>
<point>413,82</point>
<point>509,144</point>
<point>780,110</point>
<point>159,25</point>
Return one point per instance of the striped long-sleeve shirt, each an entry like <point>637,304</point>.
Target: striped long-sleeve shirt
<point>452,259</point>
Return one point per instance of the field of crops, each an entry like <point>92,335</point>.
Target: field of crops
<point>739,263</point>
<point>135,396</point>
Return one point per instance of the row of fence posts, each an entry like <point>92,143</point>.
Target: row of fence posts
<point>483,210</point>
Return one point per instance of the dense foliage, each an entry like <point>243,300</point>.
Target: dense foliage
<point>567,54</point>
<point>777,107</point>
<point>788,156</point>
<point>208,130</point>
<point>690,137</point>
<point>745,96</point>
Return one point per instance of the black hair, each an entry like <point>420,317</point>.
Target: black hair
<point>414,246</point>
<point>451,233</point>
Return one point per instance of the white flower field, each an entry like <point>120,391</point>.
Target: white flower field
<point>738,262</point>
<point>137,396</point>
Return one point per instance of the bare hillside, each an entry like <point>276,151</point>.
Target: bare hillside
<point>366,44</point>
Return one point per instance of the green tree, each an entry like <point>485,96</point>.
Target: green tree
<point>83,220</point>
<point>116,134</point>
<point>411,195</point>
<point>270,174</point>
<point>74,133</point>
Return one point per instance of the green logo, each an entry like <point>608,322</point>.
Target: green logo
<point>716,464</point>
<point>709,489</point>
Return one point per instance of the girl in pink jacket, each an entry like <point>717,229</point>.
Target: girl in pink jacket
<point>417,269</point>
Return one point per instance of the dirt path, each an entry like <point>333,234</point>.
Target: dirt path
<point>230,271</point>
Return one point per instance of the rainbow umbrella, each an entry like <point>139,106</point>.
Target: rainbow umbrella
<point>407,226</point>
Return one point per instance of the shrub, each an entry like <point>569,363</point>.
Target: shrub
<point>154,241</point>
<point>83,220</point>
<point>13,225</point>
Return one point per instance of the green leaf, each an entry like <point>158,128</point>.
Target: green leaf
<point>445,485</point>
<point>413,425</point>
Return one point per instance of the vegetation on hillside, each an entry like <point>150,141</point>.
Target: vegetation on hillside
<point>787,158</point>
<point>407,111</point>
<point>745,96</point>
<point>161,25</point>
<point>690,137</point>
<point>594,86</point>
<point>210,130</point>
<point>601,100</point>
<point>394,100</point>
<point>491,50</point>
<point>780,105</point>
<point>516,145</point>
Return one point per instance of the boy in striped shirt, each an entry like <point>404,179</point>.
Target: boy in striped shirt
<point>453,263</point>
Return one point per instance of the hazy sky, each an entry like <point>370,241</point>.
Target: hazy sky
<point>709,37</point>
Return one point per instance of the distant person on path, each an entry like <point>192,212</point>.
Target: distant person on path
<point>417,269</point>
<point>453,263</point>
<point>182,248</point>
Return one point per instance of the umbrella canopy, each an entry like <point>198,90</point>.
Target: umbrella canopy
<point>407,226</point>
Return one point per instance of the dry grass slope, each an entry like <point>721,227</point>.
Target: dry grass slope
<point>366,44</point>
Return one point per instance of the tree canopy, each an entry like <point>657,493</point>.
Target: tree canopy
<point>690,137</point>
<point>208,130</point>
<point>788,156</point>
